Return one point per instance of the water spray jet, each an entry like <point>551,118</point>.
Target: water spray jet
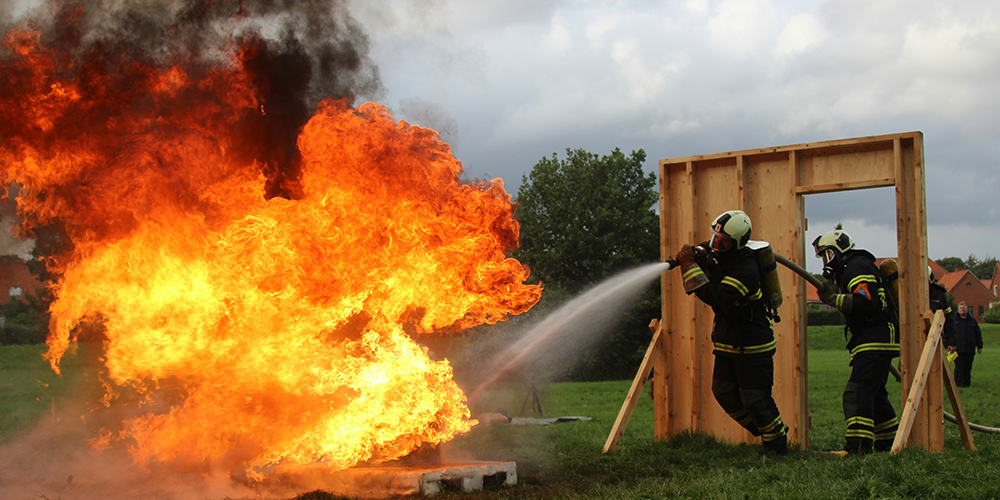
<point>605,297</point>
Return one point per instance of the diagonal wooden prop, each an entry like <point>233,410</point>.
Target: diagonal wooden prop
<point>919,381</point>
<point>637,385</point>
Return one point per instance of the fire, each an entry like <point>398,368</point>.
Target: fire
<point>257,330</point>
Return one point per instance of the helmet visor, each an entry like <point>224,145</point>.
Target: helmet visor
<point>720,242</point>
<point>827,254</point>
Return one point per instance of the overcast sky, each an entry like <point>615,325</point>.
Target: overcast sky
<point>509,82</point>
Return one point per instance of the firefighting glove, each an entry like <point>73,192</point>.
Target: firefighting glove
<point>841,301</point>
<point>825,292</point>
<point>686,256</point>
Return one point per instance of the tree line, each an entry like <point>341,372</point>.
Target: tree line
<point>982,269</point>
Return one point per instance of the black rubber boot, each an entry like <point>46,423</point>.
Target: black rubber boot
<point>777,447</point>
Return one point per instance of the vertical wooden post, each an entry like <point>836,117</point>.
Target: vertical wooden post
<point>929,356</point>
<point>911,229</point>
<point>661,370</point>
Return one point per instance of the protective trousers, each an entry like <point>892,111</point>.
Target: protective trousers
<point>963,368</point>
<point>742,386</point>
<point>871,420</point>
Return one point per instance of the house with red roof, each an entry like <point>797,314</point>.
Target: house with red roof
<point>966,287</point>
<point>994,282</point>
<point>15,279</point>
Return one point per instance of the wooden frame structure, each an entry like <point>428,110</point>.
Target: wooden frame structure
<point>769,185</point>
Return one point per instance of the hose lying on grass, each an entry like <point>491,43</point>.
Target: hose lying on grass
<point>948,416</point>
<point>895,373</point>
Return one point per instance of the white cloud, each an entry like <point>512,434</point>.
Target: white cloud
<point>743,28</point>
<point>697,7</point>
<point>11,245</point>
<point>597,29</point>
<point>643,82</point>
<point>673,127</point>
<point>802,31</point>
<point>559,39</point>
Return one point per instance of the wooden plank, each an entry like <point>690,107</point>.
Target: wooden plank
<point>618,430</point>
<point>911,235</point>
<point>776,219</point>
<point>845,186</point>
<point>798,300</point>
<point>832,144</point>
<point>661,381</point>
<point>956,403</point>
<point>682,353</point>
<point>920,380</point>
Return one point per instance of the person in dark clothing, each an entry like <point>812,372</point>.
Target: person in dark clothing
<point>966,340</point>
<point>742,334</point>
<point>938,296</point>
<point>859,292</point>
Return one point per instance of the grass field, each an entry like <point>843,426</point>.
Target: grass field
<point>565,461</point>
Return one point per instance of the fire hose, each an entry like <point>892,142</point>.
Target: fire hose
<point>895,372</point>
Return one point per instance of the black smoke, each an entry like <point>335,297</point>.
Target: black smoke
<point>297,53</point>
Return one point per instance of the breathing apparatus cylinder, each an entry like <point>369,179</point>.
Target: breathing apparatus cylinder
<point>694,277</point>
<point>890,273</point>
<point>770,285</point>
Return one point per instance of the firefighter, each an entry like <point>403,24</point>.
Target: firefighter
<point>937,295</point>
<point>726,276</point>
<point>860,293</point>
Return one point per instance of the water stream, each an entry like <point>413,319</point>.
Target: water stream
<point>568,330</point>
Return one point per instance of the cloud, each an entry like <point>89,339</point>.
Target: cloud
<point>559,39</point>
<point>429,115</point>
<point>742,28</point>
<point>801,32</point>
<point>707,76</point>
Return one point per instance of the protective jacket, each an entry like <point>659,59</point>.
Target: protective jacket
<point>742,327</point>
<point>872,322</point>
<point>967,336</point>
<point>938,296</point>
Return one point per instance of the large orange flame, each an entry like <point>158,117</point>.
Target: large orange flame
<point>282,328</point>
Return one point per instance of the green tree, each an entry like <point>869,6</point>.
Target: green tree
<point>583,219</point>
<point>982,269</point>
<point>950,264</point>
<point>26,320</point>
<point>586,217</point>
<point>993,313</point>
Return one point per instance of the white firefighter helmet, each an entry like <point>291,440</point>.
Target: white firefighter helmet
<point>730,229</point>
<point>831,247</point>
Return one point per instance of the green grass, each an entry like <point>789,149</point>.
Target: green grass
<point>565,461</point>
<point>28,387</point>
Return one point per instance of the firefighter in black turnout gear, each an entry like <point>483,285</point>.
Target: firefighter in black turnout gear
<point>742,334</point>
<point>859,292</point>
<point>937,295</point>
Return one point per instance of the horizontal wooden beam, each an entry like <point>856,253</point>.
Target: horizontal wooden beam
<point>845,186</point>
<point>863,141</point>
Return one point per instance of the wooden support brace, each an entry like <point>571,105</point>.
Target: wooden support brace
<point>637,385</point>
<point>919,381</point>
<point>956,403</point>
